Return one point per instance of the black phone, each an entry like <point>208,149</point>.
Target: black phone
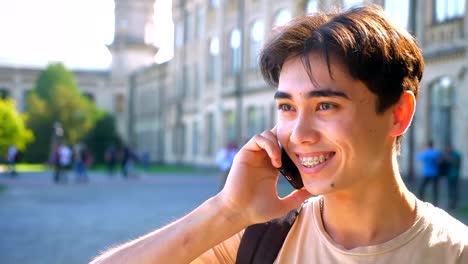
<point>290,171</point>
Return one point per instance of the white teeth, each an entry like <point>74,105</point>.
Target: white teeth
<point>310,162</point>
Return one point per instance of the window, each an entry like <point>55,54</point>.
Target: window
<point>398,11</point>
<point>196,81</point>
<point>282,17</point>
<point>441,101</point>
<point>449,9</point>
<point>183,88</point>
<point>255,121</point>
<point>25,100</point>
<point>195,139</point>
<point>200,22</point>
<point>210,134</point>
<point>214,4</point>
<point>234,44</point>
<point>350,3</point>
<point>230,126</point>
<point>256,40</point>
<point>119,103</point>
<point>189,29</point>
<point>179,139</point>
<point>212,54</point>
<point>311,7</point>
<point>179,34</point>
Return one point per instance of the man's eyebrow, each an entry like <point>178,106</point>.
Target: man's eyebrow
<point>314,93</point>
<point>282,95</point>
<point>327,93</point>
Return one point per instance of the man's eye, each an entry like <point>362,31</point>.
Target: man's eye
<point>325,106</point>
<point>284,107</point>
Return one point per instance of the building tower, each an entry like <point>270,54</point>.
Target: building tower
<point>131,49</point>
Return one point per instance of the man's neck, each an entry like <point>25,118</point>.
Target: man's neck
<point>373,214</point>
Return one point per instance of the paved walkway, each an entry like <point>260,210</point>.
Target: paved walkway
<point>41,222</point>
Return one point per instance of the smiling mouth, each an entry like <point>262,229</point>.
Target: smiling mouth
<point>310,162</point>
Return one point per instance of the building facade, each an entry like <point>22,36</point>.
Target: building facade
<point>211,93</point>
<point>216,94</point>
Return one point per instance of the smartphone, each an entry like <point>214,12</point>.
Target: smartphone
<point>290,171</point>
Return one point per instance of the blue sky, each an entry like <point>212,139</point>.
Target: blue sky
<point>75,32</point>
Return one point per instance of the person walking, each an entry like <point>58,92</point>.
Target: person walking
<point>83,160</point>
<point>224,158</point>
<point>110,157</point>
<point>454,160</point>
<point>430,160</point>
<point>62,159</point>
<point>12,158</point>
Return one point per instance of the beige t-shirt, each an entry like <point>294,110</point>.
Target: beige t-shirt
<point>435,237</point>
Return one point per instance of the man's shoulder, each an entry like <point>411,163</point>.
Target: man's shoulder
<point>446,228</point>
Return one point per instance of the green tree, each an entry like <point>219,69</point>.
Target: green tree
<point>56,99</point>
<point>103,135</point>
<point>12,128</point>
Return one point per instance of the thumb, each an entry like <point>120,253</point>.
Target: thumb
<point>296,198</point>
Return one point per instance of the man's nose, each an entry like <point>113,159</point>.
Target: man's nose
<point>305,130</point>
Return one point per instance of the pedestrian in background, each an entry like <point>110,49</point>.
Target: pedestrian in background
<point>129,159</point>
<point>429,159</point>
<point>62,158</point>
<point>224,159</point>
<point>83,160</point>
<point>12,157</point>
<point>453,159</point>
<point>110,156</point>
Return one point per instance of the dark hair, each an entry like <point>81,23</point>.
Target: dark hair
<point>374,50</point>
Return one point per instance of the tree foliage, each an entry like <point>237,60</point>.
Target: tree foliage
<point>12,128</point>
<point>56,99</point>
<point>103,135</point>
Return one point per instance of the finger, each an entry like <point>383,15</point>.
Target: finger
<point>263,142</point>
<point>273,130</point>
<point>276,160</point>
<point>295,199</point>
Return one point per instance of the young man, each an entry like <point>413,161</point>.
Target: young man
<point>347,87</point>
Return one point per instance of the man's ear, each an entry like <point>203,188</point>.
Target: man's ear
<point>403,112</point>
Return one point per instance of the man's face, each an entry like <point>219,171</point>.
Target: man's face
<point>330,129</point>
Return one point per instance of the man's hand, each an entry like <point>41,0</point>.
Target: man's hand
<point>251,187</point>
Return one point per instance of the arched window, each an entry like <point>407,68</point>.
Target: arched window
<point>398,11</point>
<point>256,39</point>
<point>234,43</point>
<point>350,3</point>
<point>256,120</point>
<point>213,52</point>
<point>441,101</point>
<point>195,139</point>
<point>311,7</point>
<point>282,17</point>
<point>229,126</point>
<point>449,9</point>
<point>214,4</point>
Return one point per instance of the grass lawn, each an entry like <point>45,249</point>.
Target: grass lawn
<point>159,169</point>
<point>26,167</point>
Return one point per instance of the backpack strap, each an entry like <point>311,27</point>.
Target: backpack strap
<point>262,242</point>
